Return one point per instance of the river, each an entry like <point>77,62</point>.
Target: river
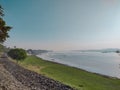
<point>97,62</point>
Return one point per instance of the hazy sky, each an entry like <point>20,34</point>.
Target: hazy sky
<point>63,24</point>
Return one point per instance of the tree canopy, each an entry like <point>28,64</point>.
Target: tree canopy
<point>3,27</point>
<point>1,11</point>
<point>17,54</point>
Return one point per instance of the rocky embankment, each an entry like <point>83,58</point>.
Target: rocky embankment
<point>23,79</point>
<point>8,82</point>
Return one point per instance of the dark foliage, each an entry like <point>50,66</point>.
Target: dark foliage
<point>17,54</point>
<point>1,11</point>
<point>3,27</point>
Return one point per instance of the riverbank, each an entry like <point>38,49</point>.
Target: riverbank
<point>74,77</point>
<point>96,62</point>
<point>8,82</point>
<point>30,79</point>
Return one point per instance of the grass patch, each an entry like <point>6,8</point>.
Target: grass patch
<point>74,77</point>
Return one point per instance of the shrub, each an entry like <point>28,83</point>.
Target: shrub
<point>17,54</point>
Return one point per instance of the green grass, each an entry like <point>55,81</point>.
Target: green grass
<point>74,77</point>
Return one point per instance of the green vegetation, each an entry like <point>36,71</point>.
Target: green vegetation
<point>80,79</point>
<point>1,48</point>
<point>3,27</point>
<point>17,54</point>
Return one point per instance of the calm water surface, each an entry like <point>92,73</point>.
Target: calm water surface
<point>102,63</point>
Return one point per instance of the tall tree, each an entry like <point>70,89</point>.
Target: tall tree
<point>3,27</point>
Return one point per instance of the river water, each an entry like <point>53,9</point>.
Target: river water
<point>97,62</point>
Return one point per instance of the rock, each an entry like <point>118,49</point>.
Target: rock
<point>8,82</point>
<point>32,79</point>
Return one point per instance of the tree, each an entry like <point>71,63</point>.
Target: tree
<point>17,54</point>
<point>1,11</point>
<point>3,27</point>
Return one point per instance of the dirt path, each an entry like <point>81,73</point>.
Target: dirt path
<point>8,82</point>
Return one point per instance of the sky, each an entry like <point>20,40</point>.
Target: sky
<point>63,24</point>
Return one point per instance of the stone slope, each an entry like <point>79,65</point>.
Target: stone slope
<point>31,79</point>
<point>8,82</point>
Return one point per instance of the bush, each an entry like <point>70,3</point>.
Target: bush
<point>17,54</point>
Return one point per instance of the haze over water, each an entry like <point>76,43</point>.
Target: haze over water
<point>97,62</point>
